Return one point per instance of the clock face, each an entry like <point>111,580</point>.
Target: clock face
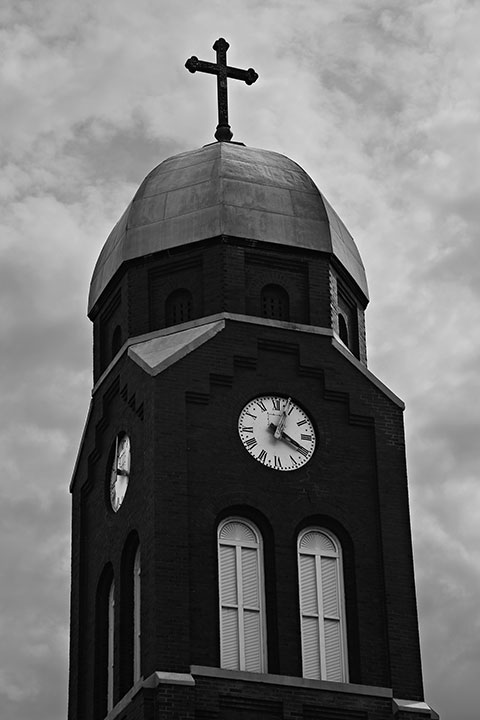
<point>277,432</point>
<point>120,471</point>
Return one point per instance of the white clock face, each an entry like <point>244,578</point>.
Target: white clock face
<point>120,471</point>
<point>277,432</point>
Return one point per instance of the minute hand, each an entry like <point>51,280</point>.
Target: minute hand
<point>293,442</point>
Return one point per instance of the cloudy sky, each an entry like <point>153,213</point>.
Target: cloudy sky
<point>379,101</point>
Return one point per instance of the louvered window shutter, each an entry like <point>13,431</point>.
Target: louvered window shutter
<point>309,617</point>
<point>251,609</point>
<point>321,607</point>
<point>229,608</point>
<point>242,632</point>
<point>331,618</point>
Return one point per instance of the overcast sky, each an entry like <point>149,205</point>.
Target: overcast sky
<point>379,101</point>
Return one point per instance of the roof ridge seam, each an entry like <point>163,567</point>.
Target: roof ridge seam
<point>183,167</point>
<point>313,191</point>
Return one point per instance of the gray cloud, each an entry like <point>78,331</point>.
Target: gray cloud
<point>376,100</point>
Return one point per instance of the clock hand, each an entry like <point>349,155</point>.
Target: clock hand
<point>293,442</point>
<point>272,427</point>
<point>283,419</point>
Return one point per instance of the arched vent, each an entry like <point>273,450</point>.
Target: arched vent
<point>178,307</point>
<point>238,532</point>
<point>275,303</point>
<point>317,543</point>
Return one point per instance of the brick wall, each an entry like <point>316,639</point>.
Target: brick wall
<point>189,470</point>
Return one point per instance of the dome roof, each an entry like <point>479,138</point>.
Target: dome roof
<point>226,189</point>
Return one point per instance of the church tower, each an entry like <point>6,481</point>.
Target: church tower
<point>241,545</point>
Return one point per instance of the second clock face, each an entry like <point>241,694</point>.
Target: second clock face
<point>120,472</point>
<point>277,432</point>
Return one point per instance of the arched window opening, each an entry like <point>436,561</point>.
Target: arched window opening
<point>178,307</point>
<point>104,643</point>
<point>322,613</point>
<point>136,617</point>
<point>347,321</point>
<point>130,615</point>
<point>116,340</point>
<point>275,303</point>
<point>343,329</point>
<point>241,595</point>
<point>111,646</point>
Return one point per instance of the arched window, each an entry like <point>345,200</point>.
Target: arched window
<point>347,321</point>
<point>104,643</point>
<point>116,340</point>
<point>136,617</point>
<point>322,614</point>
<point>343,329</point>
<point>178,307</point>
<point>275,303</point>
<point>111,646</point>
<point>130,614</point>
<point>241,595</point>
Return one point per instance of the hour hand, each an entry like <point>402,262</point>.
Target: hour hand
<point>283,419</point>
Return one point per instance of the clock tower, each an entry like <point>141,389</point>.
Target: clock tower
<point>241,543</point>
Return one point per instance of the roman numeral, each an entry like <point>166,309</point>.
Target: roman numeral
<point>261,405</point>
<point>301,422</point>
<point>249,444</point>
<point>276,403</point>
<point>278,462</point>
<point>262,457</point>
<point>246,429</point>
<point>306,437</point>
<point>250,415</point>
<point>303,452</point>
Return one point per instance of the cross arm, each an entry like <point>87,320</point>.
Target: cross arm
<point>248,76</point>
<point>193,64</point>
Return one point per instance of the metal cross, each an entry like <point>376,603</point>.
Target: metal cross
<point>222,71</point>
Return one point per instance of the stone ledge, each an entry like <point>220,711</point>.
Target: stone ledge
<point>289,681</point>
<point>252,320</point>
<point>152,681</point>
<point>414,706</point>
<point>206,320</point>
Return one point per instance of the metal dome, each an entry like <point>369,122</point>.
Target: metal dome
<point>226,189</point>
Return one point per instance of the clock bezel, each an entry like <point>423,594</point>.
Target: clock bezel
<point>113,459</point>
<point>275,463</point>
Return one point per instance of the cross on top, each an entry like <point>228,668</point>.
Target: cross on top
<point>222,71</point>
